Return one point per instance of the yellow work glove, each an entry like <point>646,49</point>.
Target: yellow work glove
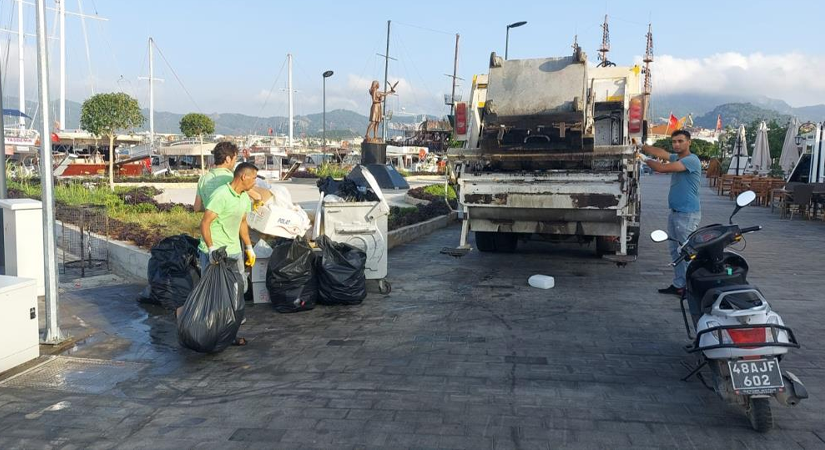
<point>250,256</point>
<point>256,204</point>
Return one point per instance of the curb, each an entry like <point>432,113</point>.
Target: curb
<point>308,181</point>
<point>412,232</point>
<point>130,261</point>
<point>160,185</point>
<point>414,201</point>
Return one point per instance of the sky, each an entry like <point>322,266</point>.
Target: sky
<point>230,56</point>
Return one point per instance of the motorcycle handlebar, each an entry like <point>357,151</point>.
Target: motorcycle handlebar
<point>750,229</point>
<point>678,260</point>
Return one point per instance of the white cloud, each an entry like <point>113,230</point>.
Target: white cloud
<point>793,77</point>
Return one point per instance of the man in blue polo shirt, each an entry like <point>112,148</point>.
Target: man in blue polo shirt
<point>685,171</point>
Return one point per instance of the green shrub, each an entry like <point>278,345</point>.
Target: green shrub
<point>335,171</point>
<point>438,191</point>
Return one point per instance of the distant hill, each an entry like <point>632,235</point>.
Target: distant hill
<point>735,114</point>
<point>701,104</point>
<point>339,120</point>
<point>735,109</point>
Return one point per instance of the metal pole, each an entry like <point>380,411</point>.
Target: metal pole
<point>455,74</point>
<point>151,97</point>
<point>62,13</point>
<point>386,70</point>
<point>506,43</point>
<point>3,190</point>
<point>21,61</point>
<point>289,97</point>
<point>324,149</point>
<point>53,334</point>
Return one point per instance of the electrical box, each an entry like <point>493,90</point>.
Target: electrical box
<point>19,332</point>
<point>23,239</point>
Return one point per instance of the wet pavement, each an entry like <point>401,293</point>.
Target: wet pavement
<point>462,354</point>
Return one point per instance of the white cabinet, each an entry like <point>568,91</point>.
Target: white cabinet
<point>23,239</point>
<point>19,333</point>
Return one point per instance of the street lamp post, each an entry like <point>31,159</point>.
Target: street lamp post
<point>507,39</point>
<point>326,75</point>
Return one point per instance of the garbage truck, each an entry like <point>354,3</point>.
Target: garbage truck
<point>548,151</point>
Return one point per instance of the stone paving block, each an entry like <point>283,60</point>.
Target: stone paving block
<point>263,435</point>
<point>460,349</point>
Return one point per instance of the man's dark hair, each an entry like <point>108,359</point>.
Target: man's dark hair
<point>224,151</point>
<point>684,133</point>
<point>244,168</point>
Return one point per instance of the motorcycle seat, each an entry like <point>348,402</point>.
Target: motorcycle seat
<point>749,297</point>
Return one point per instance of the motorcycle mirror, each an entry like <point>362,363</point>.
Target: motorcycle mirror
<point>742,200</point>
<point>658,236</point>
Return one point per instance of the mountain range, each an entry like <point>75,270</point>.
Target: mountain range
<point>735,110</point>
<point>702,105</point>
<point>340,122</point>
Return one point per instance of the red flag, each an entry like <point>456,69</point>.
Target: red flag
<point>719,122</point>
<point>672,124</point>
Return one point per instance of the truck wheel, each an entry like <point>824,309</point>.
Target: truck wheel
<point>485,241</point>
<point>603,246</point>
<point>506,242</point>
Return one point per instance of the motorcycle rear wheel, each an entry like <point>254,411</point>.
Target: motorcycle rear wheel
<point>759,414</point>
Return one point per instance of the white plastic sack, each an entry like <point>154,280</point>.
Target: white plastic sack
<point>262,249</point>
<point>281,196</point>
<point>278,221</point>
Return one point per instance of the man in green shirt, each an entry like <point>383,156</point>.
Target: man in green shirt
<point>225,156</point>
<point>225,219</point>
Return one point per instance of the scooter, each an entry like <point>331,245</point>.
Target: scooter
<point>737,334</point>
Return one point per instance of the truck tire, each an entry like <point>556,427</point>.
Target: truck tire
<point>506,242</point>
<point>485,241</point>
<point>606,245</point>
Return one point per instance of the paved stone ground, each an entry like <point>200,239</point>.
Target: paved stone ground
<point>462,354</point>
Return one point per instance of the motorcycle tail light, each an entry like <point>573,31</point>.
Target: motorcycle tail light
<point>748,335</point>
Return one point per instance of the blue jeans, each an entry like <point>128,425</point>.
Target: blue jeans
<point>679,227</point>
<point>239,257</point>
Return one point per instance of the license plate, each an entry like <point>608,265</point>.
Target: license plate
<point>756,376</point>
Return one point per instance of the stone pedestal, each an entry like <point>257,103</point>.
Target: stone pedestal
<point>374,159</point>
<point>373,153</point>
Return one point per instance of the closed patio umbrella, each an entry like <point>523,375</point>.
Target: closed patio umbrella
<point>790,152</point>
<point>739,159</point>
<point>761,160</point>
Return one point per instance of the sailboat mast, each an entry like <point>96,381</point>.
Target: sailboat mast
<point>62,20</point>
<point>21,63</point>
<point>386,70</point>
<point>289,88</point>
<point>151,96</point>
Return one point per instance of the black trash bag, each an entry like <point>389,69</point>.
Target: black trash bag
<point>211,316</point>
<point>347,189</point>
<point>341,279</point>
<point>173,271</point>
<point>290,276</point>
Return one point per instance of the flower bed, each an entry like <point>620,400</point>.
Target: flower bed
<point>434,194</point>
<point>134,215</point>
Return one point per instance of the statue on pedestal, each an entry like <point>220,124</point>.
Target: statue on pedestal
<point>376,110</point>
